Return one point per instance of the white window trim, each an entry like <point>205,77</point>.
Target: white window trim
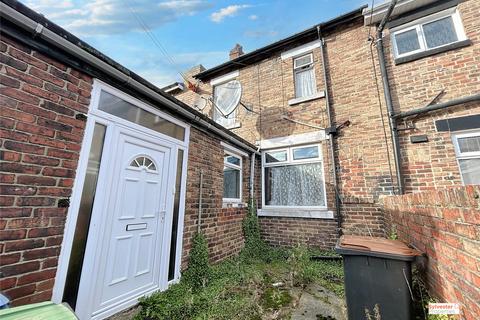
<point>295,213</point>
<point>99,86</point>
<point>417,25</point>
<point>318,95</point>
<point>224,78</point>
<point>310,55</point>
<point>293,140</point>
<point>420,39</point>
<point>464,155</point>
<point>233,166</point>
<point>300,50</point>
<point>300,69</point>
<point>234,150</point>
<point>271,210</point>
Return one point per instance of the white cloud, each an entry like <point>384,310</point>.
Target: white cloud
<point>253,17</point>
<point>101,17</point>
<point>260,33</point>
<point>42,5</point>
<point>154,67</point>
<point>229,11</point>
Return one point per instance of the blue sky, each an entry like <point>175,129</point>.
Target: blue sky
<point>191,31</point>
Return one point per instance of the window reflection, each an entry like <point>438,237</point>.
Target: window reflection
<point>122,109</point>
<point>176,212</point>
<point>84,215</point>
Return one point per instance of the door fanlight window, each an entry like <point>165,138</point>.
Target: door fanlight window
<point>143,162</point>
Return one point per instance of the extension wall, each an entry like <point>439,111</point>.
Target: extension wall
<point>445,225</point>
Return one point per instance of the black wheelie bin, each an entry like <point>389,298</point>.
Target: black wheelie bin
<point>377,272</point>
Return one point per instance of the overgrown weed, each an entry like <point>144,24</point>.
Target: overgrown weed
<point>241,287</point>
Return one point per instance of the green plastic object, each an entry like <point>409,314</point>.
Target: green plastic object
<point>38,311</point>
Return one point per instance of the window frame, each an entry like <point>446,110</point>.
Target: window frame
<point>418,26</point>
<point>100,86</point>
<point>217,114</point>
<point>291,162</point>
<point>310,66</point>
<point>276,150</point>
<point>464,155</point>
<point>227,164</point>
<point>142,166</point>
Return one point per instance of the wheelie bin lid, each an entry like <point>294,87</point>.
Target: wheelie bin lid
<point>375,247</point>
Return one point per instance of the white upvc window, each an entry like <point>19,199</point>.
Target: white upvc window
<point>232,177</point>
<point>304,75</point>
<point>229,121</point>
<point>467,150</point>
<point>431,32</point>
<point>293,177</point>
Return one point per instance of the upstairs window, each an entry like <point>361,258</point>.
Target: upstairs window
<point>304,73</point>
<point>428,33</point>
<point>232,178</point>
<point>467,149</point>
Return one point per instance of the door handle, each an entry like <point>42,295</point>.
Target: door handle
<point>162,213</point>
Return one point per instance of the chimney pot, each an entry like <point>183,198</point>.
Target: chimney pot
<point>236,52</point>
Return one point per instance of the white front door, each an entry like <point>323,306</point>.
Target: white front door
<point>131,255</point>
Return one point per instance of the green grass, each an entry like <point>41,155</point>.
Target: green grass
<point>242,287</point>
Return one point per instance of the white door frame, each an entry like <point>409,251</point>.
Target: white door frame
<point>98,116</point>
<point>95,260</point>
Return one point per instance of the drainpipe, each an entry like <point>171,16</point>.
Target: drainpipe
<point>200,203</point>
<point>252,176</point>
<point>331,140</point>
<point>388,98</point>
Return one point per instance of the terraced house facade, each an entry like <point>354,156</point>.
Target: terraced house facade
<point>342,134</point>
<point>320,92</point>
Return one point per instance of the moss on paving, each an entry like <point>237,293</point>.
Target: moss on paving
<point>242,288</point>
<point>275,298</point>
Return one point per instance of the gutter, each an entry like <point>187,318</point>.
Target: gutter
<point>173,87</point>
<point>38,30</point>
<point>331,140</point>
<point>376,14</point>
<point>438,106</point>
<point>388,98</point>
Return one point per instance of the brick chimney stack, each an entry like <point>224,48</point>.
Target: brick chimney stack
<point>236,52</point>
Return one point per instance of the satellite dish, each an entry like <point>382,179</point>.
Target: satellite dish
<point>227,97</point>
<point>200,102</point>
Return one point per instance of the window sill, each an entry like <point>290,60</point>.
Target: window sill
<point>296,213</point>
<point>233,204</point>
<point>317,95</point>
<point>234,126</point>
<point>431,52</point>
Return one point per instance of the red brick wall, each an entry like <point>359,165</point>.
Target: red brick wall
<point>288,232</point>
<point>40,141</point>
<point>445,224</point>
<point>221,225</point>
<point>433,164</point>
